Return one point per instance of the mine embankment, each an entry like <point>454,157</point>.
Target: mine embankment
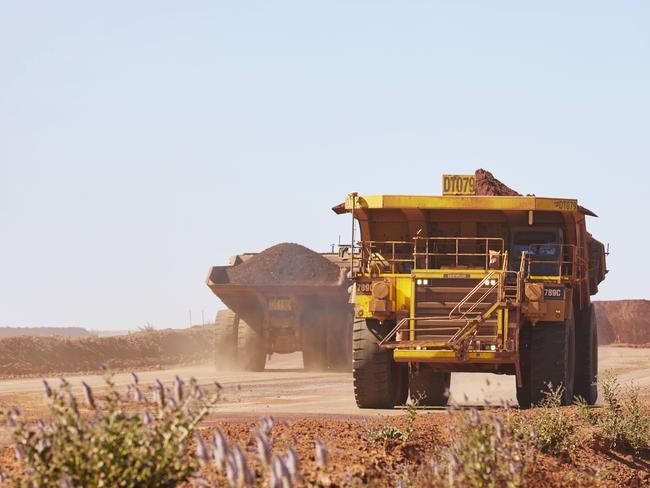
<point>623,322</point>
<point>29,355</point>
<point>44,331</point>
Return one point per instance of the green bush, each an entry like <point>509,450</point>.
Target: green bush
<point>389,432</point>
<point>484,453</point>
<point>140,439</point>
<point>384,433</point>
<point>623,422</point>
<point>553,430</point>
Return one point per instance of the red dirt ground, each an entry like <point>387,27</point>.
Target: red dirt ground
<point>354,461</point>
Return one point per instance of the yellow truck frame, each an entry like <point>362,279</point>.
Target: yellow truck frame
<point>496,284</point>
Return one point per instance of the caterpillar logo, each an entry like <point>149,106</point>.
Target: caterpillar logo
<point>458,184</point>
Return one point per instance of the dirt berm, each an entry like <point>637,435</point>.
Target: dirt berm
<point>623,321</point>
<point>284,264</point>
<point>26,356</point>
<point>43,331</point>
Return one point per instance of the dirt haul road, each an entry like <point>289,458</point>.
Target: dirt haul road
<point>285,389</point>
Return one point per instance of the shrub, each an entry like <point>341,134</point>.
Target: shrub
<point>389,432</point>
<point>384,433</point>
<point>623,421</point>
<point>484,452</point>
<point>134,440</point>
<point>553,431</point>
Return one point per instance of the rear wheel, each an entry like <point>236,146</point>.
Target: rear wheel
<point>314,348</point>
<point>379,382</point>
<point>428,387</point>
<point>552,362</point>
<point>586,356</point>
<point>339,344</point>
<point>225,340</point>
<point>251,350</point>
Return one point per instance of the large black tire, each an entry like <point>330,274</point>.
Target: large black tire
<point>339,345</point>
<point>379,382</point>
<point>314,348</point>
<point>586,356</point>
<point>523,392</point>
<point>552,361</point>
<point>225,340</point>
<point>428,387</point>
<point>251,349</point>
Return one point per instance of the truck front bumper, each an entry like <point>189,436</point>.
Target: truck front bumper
<point>450,357</point>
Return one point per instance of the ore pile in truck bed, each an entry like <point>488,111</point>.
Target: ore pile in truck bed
<point>488,185</point>
<point>285,264</point>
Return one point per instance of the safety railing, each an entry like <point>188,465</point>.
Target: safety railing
<point>456,252</point>
<point>552,262</point>
<point>377,257</point>
<point>422,253</point>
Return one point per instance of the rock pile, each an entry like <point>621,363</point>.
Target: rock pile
<point>284,264</point>
<point>487,184</point>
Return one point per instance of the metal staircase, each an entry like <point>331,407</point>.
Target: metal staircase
<point>457,313</point>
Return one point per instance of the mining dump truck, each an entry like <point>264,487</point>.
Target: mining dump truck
<point>282,300</point>
<point>468,283</point>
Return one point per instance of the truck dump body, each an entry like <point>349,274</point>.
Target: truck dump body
<point>457,282</point>
<point>288,299</point>
<point>277,307</point>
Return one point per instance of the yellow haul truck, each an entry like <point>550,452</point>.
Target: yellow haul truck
<point>466,283</point>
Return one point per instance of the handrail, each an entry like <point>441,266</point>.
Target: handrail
<point>575,263</point>
<point>455,242</point>
<point>401,256</point>
<point>465,332</point>
<point>471,293</point>
<point>481,283</point>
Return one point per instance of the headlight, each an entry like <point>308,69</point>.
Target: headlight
<point>421,282</point>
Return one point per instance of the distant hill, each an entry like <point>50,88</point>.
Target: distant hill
<point>43,331</point>
<point>623,321</point>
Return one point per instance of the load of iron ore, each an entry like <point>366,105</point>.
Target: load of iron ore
<point>488,185</point>
<point>284,264</point>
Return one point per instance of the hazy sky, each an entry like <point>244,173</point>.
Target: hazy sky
<point>142,142</point>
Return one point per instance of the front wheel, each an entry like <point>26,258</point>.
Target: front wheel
<point>551,363</point>
<point>379,382</point>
